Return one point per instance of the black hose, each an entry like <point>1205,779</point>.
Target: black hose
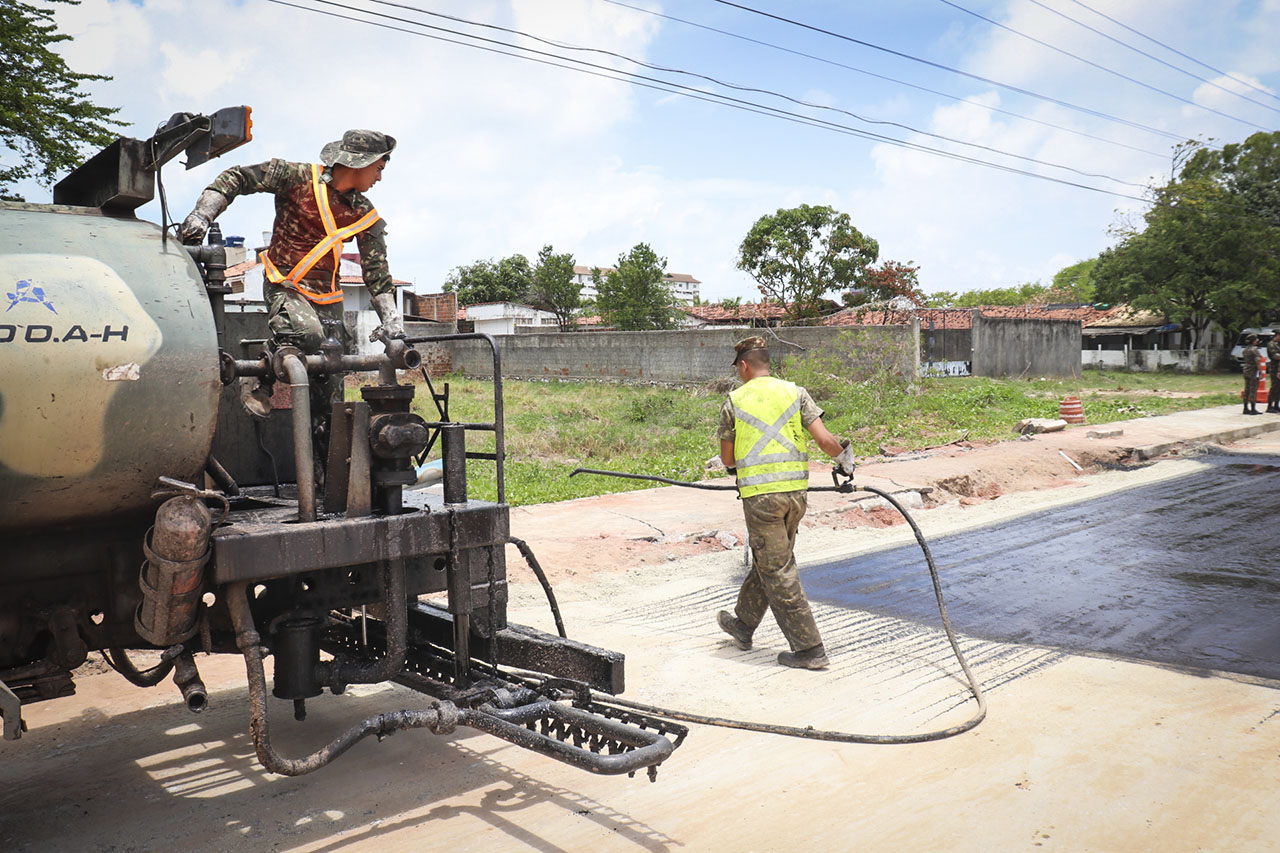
<point>542,579</point>
<point>118,658</point>
<point>809,732</point>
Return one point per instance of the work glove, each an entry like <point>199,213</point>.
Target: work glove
<point>844,461</point>
<point>392,323</point>
<point>208,207</point>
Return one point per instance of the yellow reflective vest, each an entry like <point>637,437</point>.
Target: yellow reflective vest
<point>769,442</point>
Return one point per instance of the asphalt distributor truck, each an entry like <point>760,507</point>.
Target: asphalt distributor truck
<point>142,509</point>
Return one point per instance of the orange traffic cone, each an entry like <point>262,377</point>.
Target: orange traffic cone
<point>1261,396</point>
<point>1071,410</point>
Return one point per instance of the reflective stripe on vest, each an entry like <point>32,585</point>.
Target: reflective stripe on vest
<point>331,244</point>
<point>769,443</point>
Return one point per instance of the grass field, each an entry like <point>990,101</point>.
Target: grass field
<point>553,427</point>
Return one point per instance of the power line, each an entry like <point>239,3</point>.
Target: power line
<point>1175,50</point>
<point>1098,66</point>
<point>1153,58</point>
<point>938,65</point>
<point>678,89</point>
<point>836,64</point>
<point>797,101</point>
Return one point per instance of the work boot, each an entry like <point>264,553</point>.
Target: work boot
<point>814,658</point>
<point>736,628</point>
<point>255,397</point>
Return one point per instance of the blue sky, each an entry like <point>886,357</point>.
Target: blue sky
<point>499,155</point>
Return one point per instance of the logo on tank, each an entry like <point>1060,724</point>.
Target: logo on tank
<point>28,292</point>
<point>38,333</point>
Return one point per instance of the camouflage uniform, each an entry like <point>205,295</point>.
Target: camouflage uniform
<point>1250,369</point>
<point>772,522</point>
<point>1273,370</point>
<point>294,320</point>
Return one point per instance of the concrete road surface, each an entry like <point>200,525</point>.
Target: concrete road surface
<point>1080,751</point>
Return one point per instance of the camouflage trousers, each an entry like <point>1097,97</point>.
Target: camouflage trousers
<point>294,320</point>
<point>1273,392</point>
<point>774,580</point>
<point>1250,390</point>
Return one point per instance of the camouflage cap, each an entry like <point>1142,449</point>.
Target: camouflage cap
<point>357,149</point>
<point>746,345</point>
<point>1251,339</point>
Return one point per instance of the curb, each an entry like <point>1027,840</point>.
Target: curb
<point>1151,451</point>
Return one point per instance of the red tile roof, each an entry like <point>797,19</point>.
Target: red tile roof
<point>1119,316</point>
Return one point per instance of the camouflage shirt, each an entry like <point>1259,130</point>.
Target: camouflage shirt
<point>297,228</point>
<point>1273,349</point>
<point>1249,361</point>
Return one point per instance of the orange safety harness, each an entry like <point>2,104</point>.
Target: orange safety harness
<point>331,244</point>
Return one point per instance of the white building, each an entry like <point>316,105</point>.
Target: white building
<point>504,318</point>
<point>684,287</point>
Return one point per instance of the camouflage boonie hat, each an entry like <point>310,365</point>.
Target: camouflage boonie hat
<point>357,149</point>
<point>746,345</point>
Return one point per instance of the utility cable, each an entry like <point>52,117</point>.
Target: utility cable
<point>939,65</point>
<point>668,70</point>
<point>697,94</point>
<point>1098,66</point>
<point>1175,50</point>
<point>1152,57</point>
<point>888,79</point>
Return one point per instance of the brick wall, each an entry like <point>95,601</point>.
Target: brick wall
<point>441,307</point>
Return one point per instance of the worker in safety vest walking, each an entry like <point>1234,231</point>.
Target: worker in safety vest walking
<point>761,432</point>
<point>318,208</point>
<point>1249,366</point>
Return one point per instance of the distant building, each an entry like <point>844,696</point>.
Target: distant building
<point>507,318</point>
<point>684,288</point>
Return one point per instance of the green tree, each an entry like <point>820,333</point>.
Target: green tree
<point>635,296</point>
<point>800,254</point>
<point>1074,283</point>
<point>553,287</point>
<point>507,280</point>
<point>1209,246</point>
<point>45,119</point>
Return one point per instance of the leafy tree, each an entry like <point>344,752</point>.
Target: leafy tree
<point>889,282</point>
<point>507,280</point>
<point>1073,283</point>
<point>798,255</point>
<point>45,120</point>
<point>1209,247</point>
<point>635,296</point>
<point>553,287</point>
<point>941,299</point>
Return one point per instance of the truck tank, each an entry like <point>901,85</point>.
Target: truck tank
<point>109,329</point>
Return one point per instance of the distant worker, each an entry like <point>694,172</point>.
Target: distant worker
<point>1273,371</point>
<point>318,208</point>
<point>1250,358</point>
<point>761,432</point>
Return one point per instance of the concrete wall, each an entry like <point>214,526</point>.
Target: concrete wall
<point>1025,347</point>
<point>1151,361</point>
<point>678,356</point>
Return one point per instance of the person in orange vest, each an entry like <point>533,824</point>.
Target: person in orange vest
<point>1251,357</point>
<point>761,432</point>
<point>318,208</point>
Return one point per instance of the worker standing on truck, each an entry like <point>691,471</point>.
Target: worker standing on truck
<point>318,208</point>
<point>761,432</point>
